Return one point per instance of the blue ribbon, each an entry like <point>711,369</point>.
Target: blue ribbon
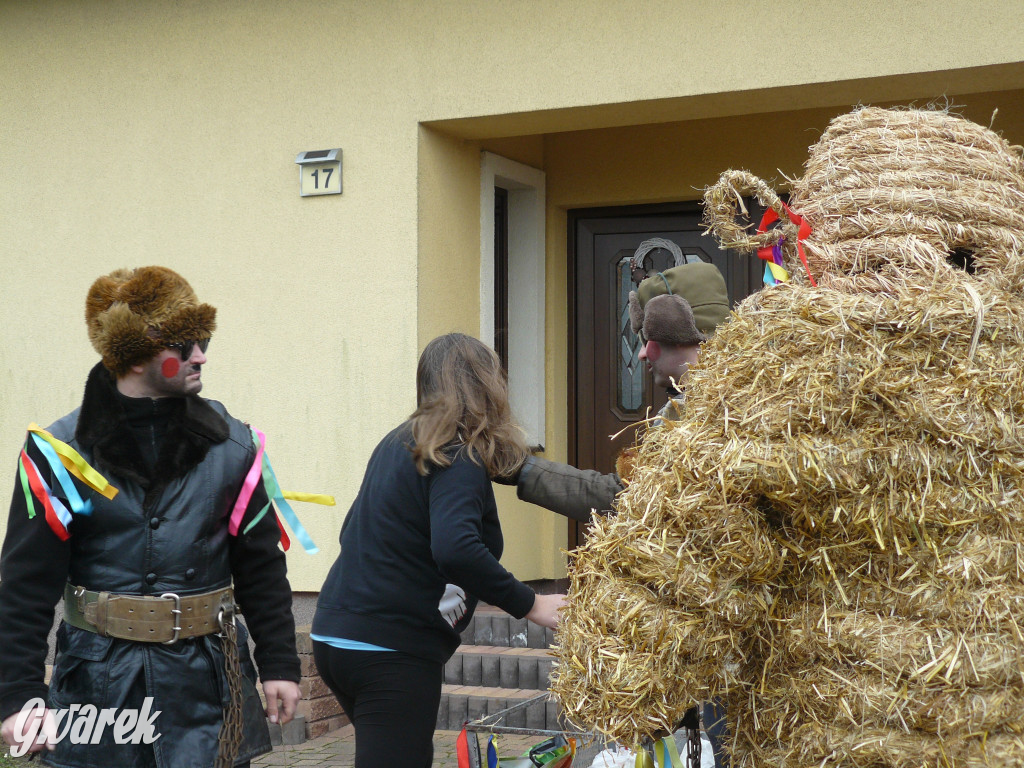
<point>61,511</point>
<point>274,492</point>
<point>78,506</point>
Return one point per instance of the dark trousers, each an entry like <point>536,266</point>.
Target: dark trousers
<point>716,728</point>
<point>391,699</point>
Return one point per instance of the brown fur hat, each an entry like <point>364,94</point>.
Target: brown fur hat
<point>666,319</point>
<point>134,313</point>
<point>700,283</point>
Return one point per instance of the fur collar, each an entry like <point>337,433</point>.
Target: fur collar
<point>103,430</point>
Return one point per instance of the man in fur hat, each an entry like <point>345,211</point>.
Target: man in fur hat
<point>151,558</point>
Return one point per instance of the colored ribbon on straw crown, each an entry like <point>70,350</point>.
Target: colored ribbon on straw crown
<point>261,469</point>
<point>774,272</point>
<point>63,461</point>
<point>772,254</point>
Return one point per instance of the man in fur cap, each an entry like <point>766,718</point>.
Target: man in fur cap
<point>151,558</point>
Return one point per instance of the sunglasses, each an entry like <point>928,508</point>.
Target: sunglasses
<point>185,347</point>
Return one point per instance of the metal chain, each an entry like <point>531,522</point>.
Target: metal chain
<point>693,747</point>
<point>230,738</point>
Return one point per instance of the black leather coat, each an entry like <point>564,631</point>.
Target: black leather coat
<point>165,531</point>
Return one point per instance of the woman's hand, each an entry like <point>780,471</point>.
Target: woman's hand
<point>545,610</point>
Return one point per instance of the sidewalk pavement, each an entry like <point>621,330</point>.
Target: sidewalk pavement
<point>337,750</point>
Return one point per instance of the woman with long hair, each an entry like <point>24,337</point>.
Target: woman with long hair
<point>419,547</point>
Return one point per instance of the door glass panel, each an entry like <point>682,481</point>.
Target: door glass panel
<point>631,372</point>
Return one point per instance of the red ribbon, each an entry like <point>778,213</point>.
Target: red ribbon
<point>285,541</point>
<point>803,230</point>
<point>462,749</point>
<point>36,484</point>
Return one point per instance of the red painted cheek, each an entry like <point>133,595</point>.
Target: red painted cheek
<point>170,368</point>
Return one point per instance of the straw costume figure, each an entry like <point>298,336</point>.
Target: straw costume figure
<point>830,537</point>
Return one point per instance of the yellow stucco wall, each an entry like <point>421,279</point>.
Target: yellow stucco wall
<point>137,133</point>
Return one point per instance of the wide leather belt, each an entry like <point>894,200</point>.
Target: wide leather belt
<point>166,618</point>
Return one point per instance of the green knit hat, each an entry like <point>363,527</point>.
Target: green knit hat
<point>699,283</point>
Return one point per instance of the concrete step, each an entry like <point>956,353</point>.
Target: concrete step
<point>492,626</point>
<point>463,703</point>
<point>499,667</point>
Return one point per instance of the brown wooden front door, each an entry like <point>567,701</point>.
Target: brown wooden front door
<point>610,389</point>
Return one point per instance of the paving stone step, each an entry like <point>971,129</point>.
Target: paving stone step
<point>499,667</point>
<point>492,626</point>
<point>463,703</point>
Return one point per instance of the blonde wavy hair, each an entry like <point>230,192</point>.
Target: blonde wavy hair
<point>462,404</point>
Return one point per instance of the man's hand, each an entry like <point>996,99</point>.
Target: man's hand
<point>21,731</point>
<point>545,610</point>
<point>287,693</point>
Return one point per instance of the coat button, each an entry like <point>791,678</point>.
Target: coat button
<point>154,523</point>
<point>190,574</point>
<point>151,578</point>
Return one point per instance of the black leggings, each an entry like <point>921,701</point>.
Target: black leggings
<point>391,699</point>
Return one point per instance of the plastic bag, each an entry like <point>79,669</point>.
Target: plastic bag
<point>619,757</point>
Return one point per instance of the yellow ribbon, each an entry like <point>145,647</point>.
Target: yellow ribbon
<point>75,464</point>
<point>779,273</point>
<point>666,755</point>
<point>312,498</point>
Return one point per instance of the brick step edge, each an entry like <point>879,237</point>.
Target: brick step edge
<point>539,653</point>
<point>499,667</point>
<point>491,626</point>
<point>460,704</point>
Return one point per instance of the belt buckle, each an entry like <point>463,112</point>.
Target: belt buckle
<point>225,614</point>
<point>175,616</point>
<point>80,599</point>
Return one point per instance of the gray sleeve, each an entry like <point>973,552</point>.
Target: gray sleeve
<point>566,490</point>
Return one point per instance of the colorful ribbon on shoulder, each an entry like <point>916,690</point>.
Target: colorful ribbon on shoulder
<point>774,272</point>
<point>64,461</point>
<point>261,469</point>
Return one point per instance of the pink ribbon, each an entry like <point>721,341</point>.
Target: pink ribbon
<point>254,475</point>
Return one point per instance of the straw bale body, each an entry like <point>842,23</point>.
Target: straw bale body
<point>831,539</point>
